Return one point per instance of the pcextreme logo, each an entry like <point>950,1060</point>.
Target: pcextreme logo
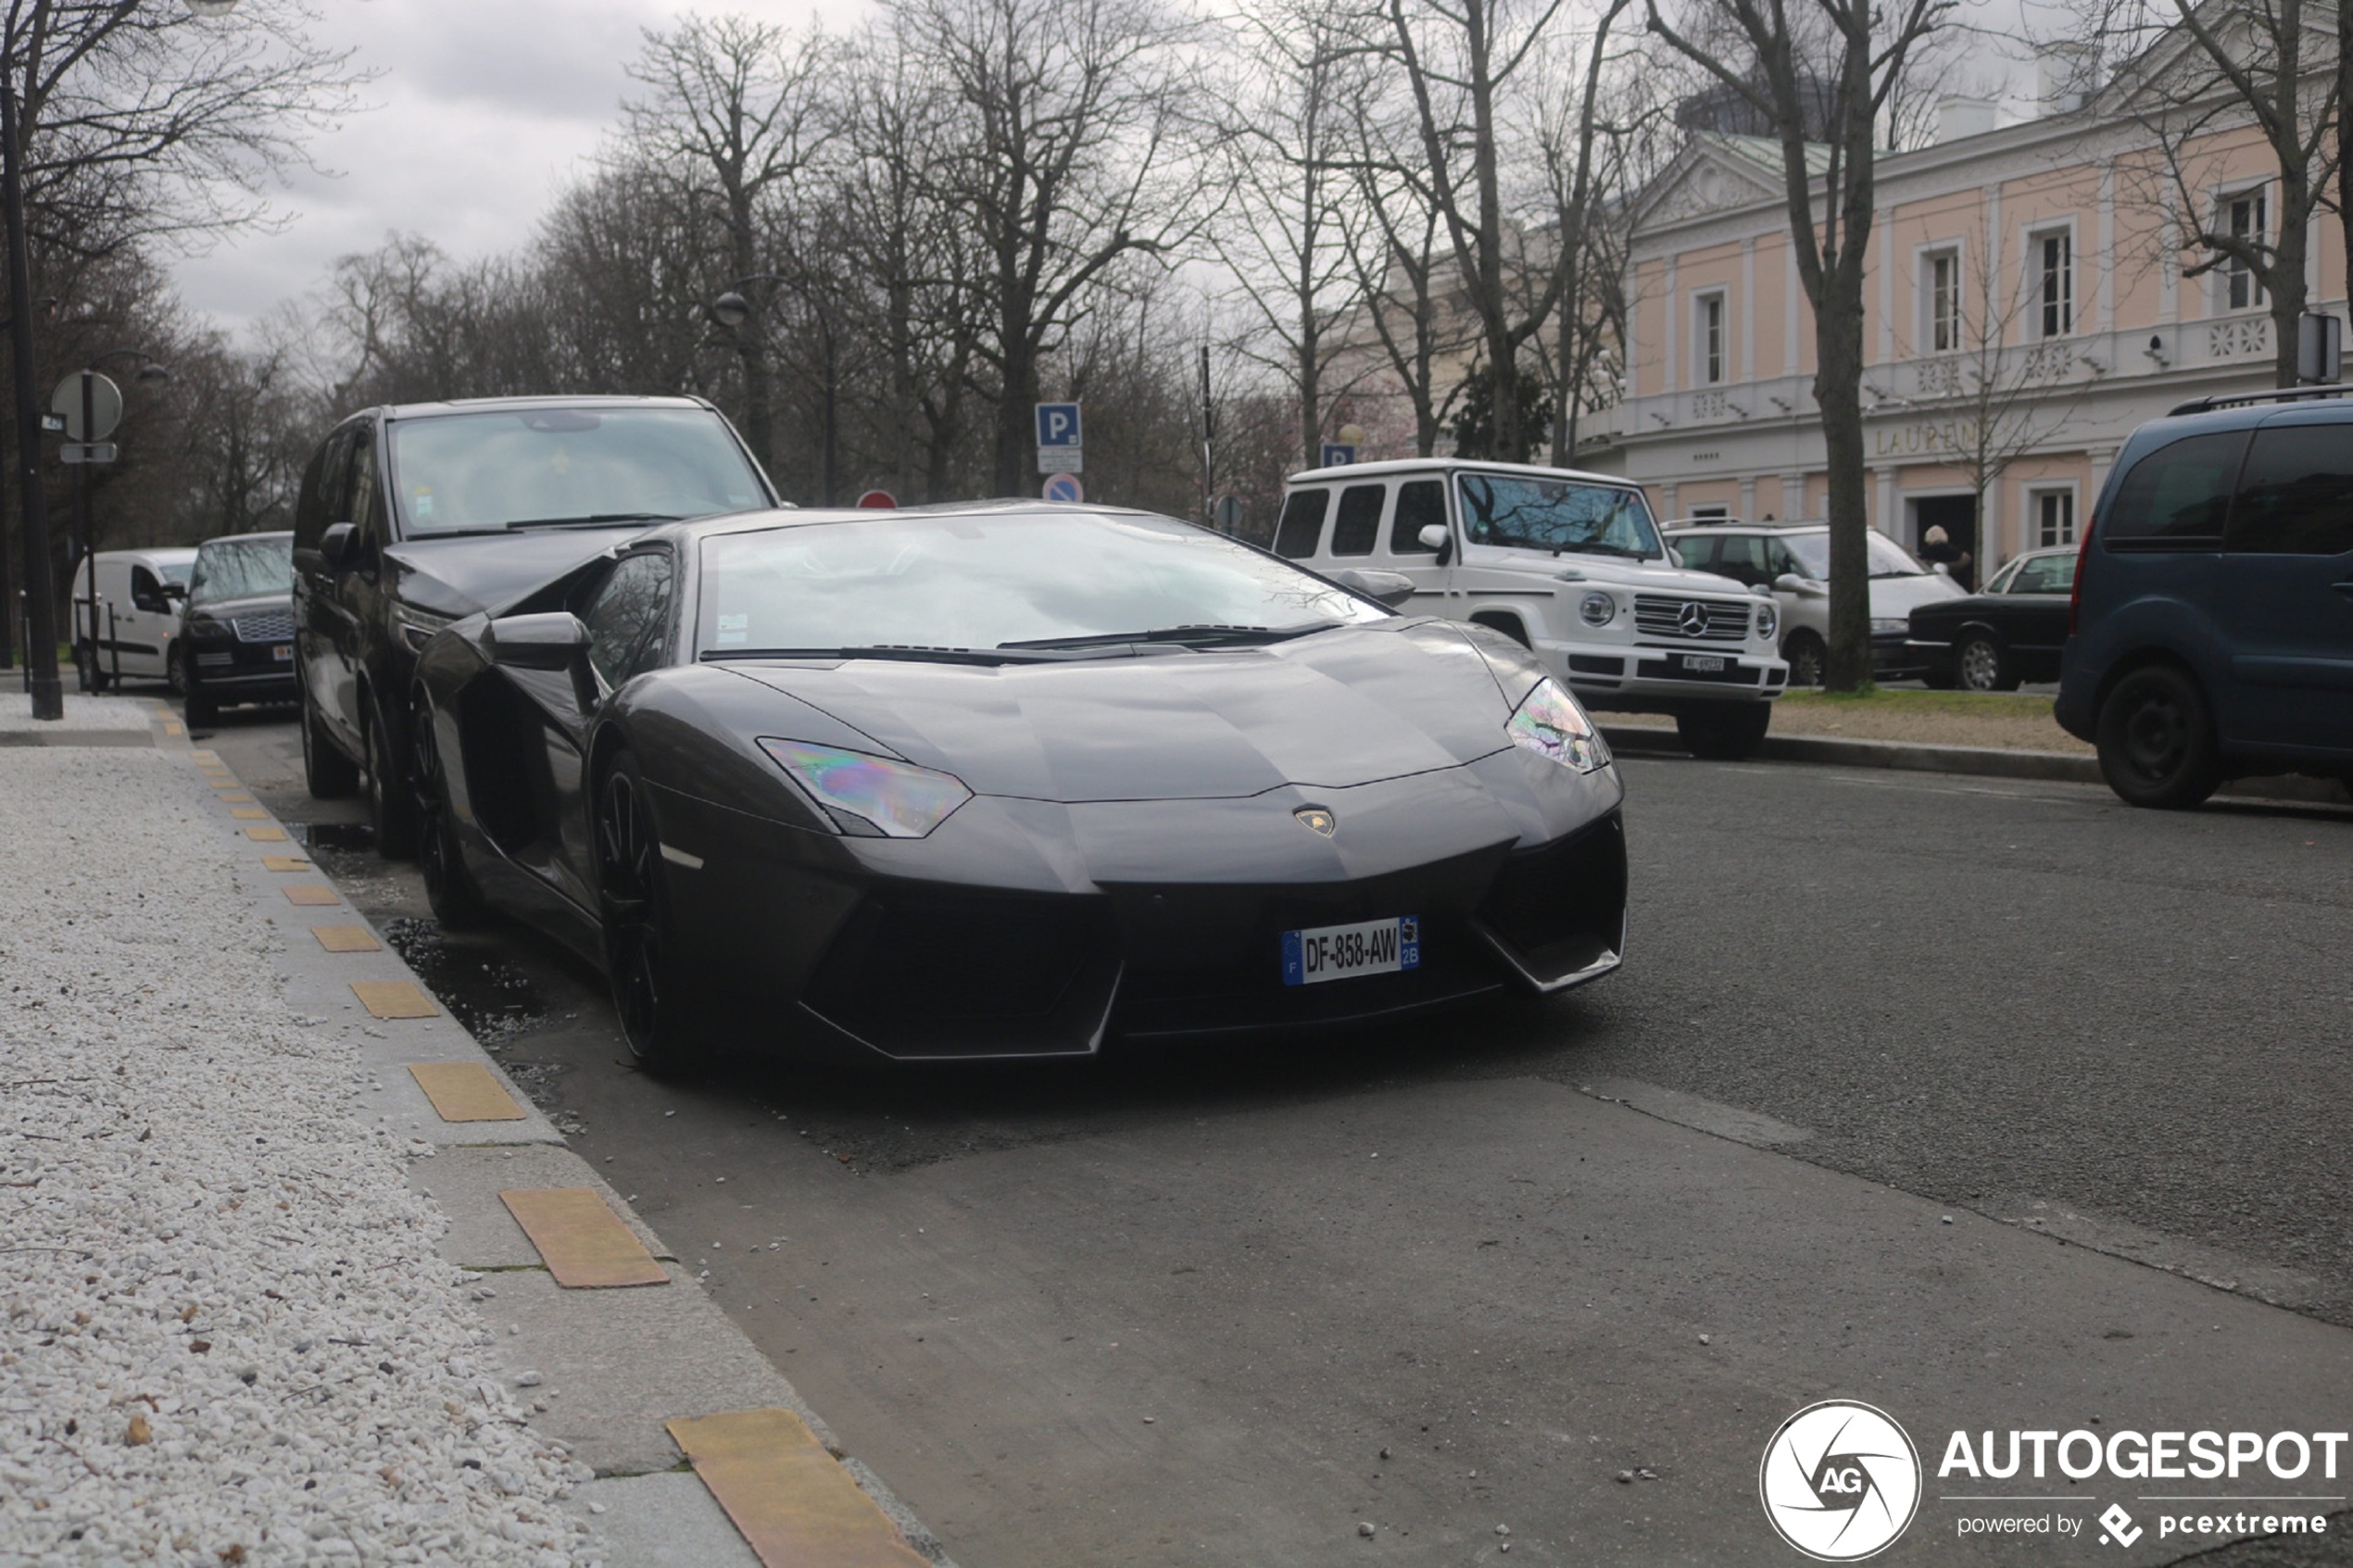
<point>1841,1481</point>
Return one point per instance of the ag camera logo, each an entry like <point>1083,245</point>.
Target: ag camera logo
<point>1841,1481</point>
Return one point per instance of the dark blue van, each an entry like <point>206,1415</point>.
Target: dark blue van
<point>2211,632</point>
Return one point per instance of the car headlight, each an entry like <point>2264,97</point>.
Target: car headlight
<point>1597,609</point>
<point>418,626</point>
<point>204,629</point>
<point>1768,620</point>
<point>896,799</point>
<point>1890,623</point>
<point>1549,723</point>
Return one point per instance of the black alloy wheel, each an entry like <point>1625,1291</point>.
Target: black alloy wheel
<point>2157,740</point>
<point>633,903</point>
<point>175,669</point>
<point>449,886</point>
<point>325,770</point>
<point>1982,666</point>
<point>1807,658</point>
<point>392,808</point>
<point>85,658</point>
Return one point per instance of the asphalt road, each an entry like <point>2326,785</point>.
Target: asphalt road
<point>1223,1305</point>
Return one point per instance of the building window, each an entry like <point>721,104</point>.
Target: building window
<point>2054,513</point>
<point>1943,288</point>
<point>1708,339</point>
<point>2243,216</point>
<point>2055,256</point>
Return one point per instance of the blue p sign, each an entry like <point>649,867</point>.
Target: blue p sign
<point>1338,454</point>
<point>1058,425</point>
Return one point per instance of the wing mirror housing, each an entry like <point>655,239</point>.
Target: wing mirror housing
<point>557,640</point>
<point>1437,536</point>
<point>1390,588</point>
<point>335,544</point>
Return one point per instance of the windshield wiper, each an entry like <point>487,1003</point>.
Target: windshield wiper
<point>1188,635</point>
<point>595,518</point>
<point>885,651</point>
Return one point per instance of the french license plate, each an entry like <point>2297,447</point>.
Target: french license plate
<point>1343,952</point>
<point>282,653</point>
<point>1702,663</point>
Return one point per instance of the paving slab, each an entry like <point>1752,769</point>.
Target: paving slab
<point>666,1520</point>
<point>482,1234</point>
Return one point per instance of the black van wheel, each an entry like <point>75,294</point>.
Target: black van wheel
<point>329,773</point>
<point>633,904</point>
<point>1724,732</point>
<point>449,888</point>
<point>2157,740</point>
<point>392,804</point>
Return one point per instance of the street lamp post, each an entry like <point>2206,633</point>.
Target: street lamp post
<point>41,607</point>
<point>730,310</point>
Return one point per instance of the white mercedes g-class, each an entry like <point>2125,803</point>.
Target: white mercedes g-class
<point>1568,564</point>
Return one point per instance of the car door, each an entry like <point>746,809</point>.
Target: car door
<point>322,622</point>
<point>2283,598</point>
<point>2033,612</point>
<point>364,590</point>
<point>143,624</point>
<point>629,618</point>
<point>1420,502</point>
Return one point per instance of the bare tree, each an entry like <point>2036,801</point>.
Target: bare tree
<point>1766,52</point>
<point>2195,71</point>
<point>1072,117</point>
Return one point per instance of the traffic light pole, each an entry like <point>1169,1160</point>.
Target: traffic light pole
<point>40,609</point>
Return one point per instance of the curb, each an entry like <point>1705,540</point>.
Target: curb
<point>611,1374</point>
<point>1979,761</point>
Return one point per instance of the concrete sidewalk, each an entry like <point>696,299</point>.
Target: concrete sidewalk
<point>267,1292</point>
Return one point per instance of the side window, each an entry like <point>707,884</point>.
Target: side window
<point>1779,561</point>
<point>1741,557</point>
<point>1419,504</point>
<point>1698,550</point>
<point>146,592</point>
<point>1358,529</point>
<point>627,617</point>
<point>2004,581</point>
<point>1303,523</point>
<point>2177,496</point>
<point>2046,574</point>
<point>364,510</point>
<point>2296,497</point>
<point>322,501</point>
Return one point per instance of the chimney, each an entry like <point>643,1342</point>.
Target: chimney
<point>1958,117</point>
<point>2065,75</point>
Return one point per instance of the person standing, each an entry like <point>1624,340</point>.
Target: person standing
<point>1938,549</point>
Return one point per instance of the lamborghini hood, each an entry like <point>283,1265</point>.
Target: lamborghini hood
<point>1336,709</point>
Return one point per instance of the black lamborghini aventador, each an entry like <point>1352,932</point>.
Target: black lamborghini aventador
<point>1006,780</point>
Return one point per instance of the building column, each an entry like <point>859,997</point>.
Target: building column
<point>1667,501</point>
<point>1748,498</point>
<point>1885,518</point>
<point>1793,498</point>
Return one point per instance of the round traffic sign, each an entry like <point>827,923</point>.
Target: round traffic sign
<point>106,405</point>
<point>1064,487</point>
<point>879,500</point>
<point>1228,514</point>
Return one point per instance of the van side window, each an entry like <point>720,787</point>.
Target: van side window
<point>2296,497</point>
<point>366,525</point>
<point>320,504</point>
<point>1418,505</point>
<point>1302,524</point>
<point>1358,529</point>
<point>1698,551</point>
<point>147,592</point>
<point>2176,497</point>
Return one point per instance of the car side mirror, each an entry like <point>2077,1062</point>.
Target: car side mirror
<point>1390,588</point>
<point>175,591</point>
<point>1437,536</point>
<point>557,640</point>
<point>335,544</point>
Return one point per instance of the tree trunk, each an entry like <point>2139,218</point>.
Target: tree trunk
<point>2287,270</point>
<point>1838,379</point>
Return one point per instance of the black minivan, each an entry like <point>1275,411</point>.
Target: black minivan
<point>414,516</point>
<point>2211,632</point>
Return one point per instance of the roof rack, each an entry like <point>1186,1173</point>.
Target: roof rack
<point>2284,394</point>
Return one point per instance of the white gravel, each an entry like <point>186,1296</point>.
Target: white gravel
<point>82,712</point>
<point>201,1243</point>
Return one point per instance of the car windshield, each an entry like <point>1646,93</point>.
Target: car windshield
<point>456,473</point>
<point>1556,514</point>
<point>984,582</point>
<point>1888,558</point>
<point>243,568</point>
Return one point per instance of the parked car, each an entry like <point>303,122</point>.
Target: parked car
<point>1791,561</point>
<point>237,627</point>
<point>2010,633</point>
<point>1008,779</point>
<point>2212,632</point>
<point>137,614</point>
<point>412,517</point>
<point>1568,565</point>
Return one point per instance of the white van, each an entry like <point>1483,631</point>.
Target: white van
<point>139,594</point>
<point>1568,564</point>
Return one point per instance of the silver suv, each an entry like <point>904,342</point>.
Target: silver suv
<point>1569,565</point>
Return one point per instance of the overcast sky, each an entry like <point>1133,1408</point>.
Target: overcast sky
<point>482,110</point>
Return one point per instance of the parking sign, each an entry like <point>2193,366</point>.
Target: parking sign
<point>1338,454</point>
<point>1058,425</point>
<point>1066,487</point>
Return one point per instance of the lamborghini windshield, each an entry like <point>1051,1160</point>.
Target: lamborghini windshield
<point>1001,581</point>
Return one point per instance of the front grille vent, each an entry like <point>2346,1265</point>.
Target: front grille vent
<point>1703,621</point>
<point>277,626</point>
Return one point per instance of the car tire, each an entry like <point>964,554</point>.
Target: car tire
<point>1981,665</point>
<point>175,670</point>
<point>85,658</point>
<point>2157,740</point>
<point>1807,658</point>
<point>392,802</point>
<point>1724,732</point>
<point>634,908</point>
<point>202,711</point>
<point>449,888</point>
<point>325,770</point>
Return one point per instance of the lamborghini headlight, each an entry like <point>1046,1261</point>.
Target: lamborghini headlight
<point>1549,724</point>
<point>893,798</point>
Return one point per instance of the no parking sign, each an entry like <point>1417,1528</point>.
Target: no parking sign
<point>1064,487</point>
